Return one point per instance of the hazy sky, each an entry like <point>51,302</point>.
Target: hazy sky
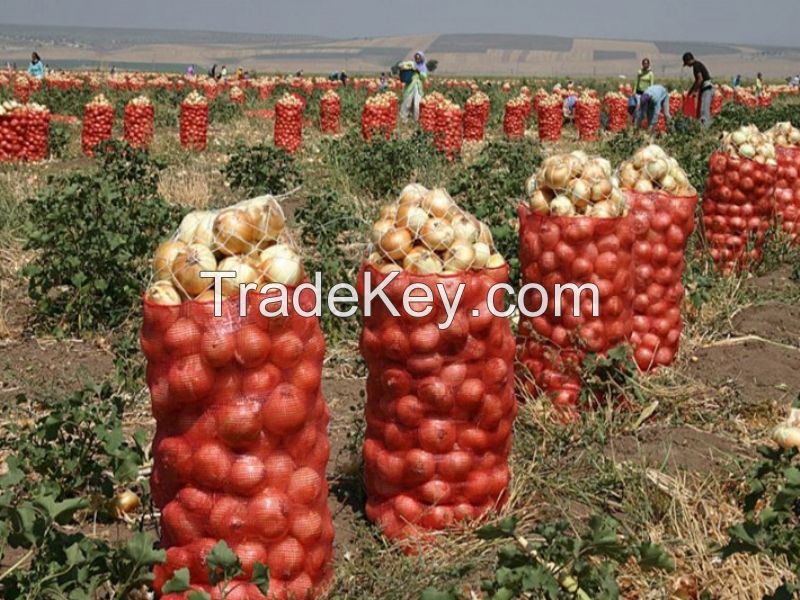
<point>772,22</point>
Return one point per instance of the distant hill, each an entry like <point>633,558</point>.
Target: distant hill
<point>458,54</point>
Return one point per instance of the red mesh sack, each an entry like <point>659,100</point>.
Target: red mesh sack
<point>265,91</point>
<point>330,112</point>
<point>194,122</point>
<point>241,445</point>
<point>379,116</point>
<point>765,100</point>
<point>514,118</point>
<point>787,184</point>
<point>427,111</point>
<point>98,124</point>
<point>587,118</point>
<point>551,117</point>
<point>474,127</point>
<point>691,107</point>
<point>137,124</point>
<point>13,125</point>
<point>22,89</point>
<point>237,95</point>
<point>289,123</point>
<point>617,109</point>
<point>716,104</point>
<point>440,404</point>
<point>37,133</point>
<point>738,206</point>
<point>450,128</point>
<point>675,104</point>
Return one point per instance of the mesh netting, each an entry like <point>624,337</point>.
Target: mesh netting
<point>194,122</point>
<point>137,124</point>
<point>98,124</point>
<point>289,122</point>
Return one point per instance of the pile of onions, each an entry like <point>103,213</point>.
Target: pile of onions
<point>138,122</point>
<point>248,238</point>
<point>98,123</point>
<point>289,122</point>
<point>476,114</point>
<point>425,232</point>
<point>784,134</point>
<point>550,114</point>
<point>617,107</point>
<point>575,184</point>
<point>652,169</point>
<point>379,115</point>
<point>330,112</point>
<point>587,117</point>
<point>516,113</point>
<point>194,121</point>
<point>427,110</point>
<point>237,95</point>
<point>749,142</point>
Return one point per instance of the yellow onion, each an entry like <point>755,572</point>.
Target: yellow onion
<point>787,436</point>
<point>579,191</point>
<point>539,203</point>
<point>275,250</point>
<point>125,503</point>
<point>411,216</point>
<point>602,210</point>
<point>438,203</point>
<point>189,224</point>
<point>388,211</point>
<point>379,228</point>
<point>413,193</point>
<point>460,256</point>
<point>163,257</point>
<point>558,176</point>
<point>602,189</point>
<point>424,262</point>
<point>389,267</point>
<point>245,273</point>
<point>396,243</point>
<point>562,206</point>
<point>163,293</point>
<point>234,232</point>
<point>495,261</point>
<point>657,169</point>
<point>188,265</point>
<point>286,269</point>
<point>643,186</point>
<point>464,228</point>
<point>530,185</point>
<point>436,234</point>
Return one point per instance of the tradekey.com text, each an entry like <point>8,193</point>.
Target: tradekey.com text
<point>418,298</point>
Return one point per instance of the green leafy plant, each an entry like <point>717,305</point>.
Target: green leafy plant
<point>262,169</point>
<point>133,169</point>
<point>224,567</point>
<point>58,140</point>
<point>610,376</point>
<point>555,563</point>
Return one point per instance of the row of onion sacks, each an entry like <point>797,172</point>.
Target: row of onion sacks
<point>98,123</point>
<point>616,105</point>
<point>194,122</point>
<point>574,229</point>
<point>738,200</point>
<point>786,140</point>
<point>241,444</point>
<point>440,403</point>
<point>662,204</point>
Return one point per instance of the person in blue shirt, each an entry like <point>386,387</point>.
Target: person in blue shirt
<point>654,99</point>
<point>36,68</point>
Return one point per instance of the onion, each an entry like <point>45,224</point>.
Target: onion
<point>482,254</point>
<point>657,169</point>
<point>464,229</point>
<point>286,269</point>
<point>739,137</point>
<point>244,274</point>
<point>423,262</point>
<point>562,206</point>
<point>438,203</point>
<point>539,203</point>
<point>276,250</point>
<point>125,503</point>
<point>388,211</point>
<point>495,261</point>
<point>410,216</point>
<point>787,436</point>
<point>204,232</point>
<point>413,193</point>
<point>163,293</point>
<point>558,176</point>
<point>188,226</point>
<point>643,186</point>
<point>188,265</point>
<point>436,234</point>
<point>601,190</point>
<point>396,243</point>
<point>234,232</point>
<point>387,268</point>
<point>602,210</point>
<point>485,234</point>
<point>530,185</point>
<point>459,257</point>
<point>163,257</point>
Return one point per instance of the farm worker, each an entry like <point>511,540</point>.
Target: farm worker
<point>644,78</point>
<point>212,72</point>
<point>652,102</point>
<point>412,94</point>
<point>702,87</point>
<point>223,72</point>
<point>239,73</point>
<point>569,106</point>
<point>36,68</point>
<point>383,84</point>
<point>190,70</point>
<point>737,81</point>
<point>759,86</point>
<point>343,78</point>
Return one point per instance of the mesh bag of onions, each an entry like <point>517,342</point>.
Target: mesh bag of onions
<point>98,123</point>
<point>194,122</point>
<point>786,139</point>
<point>476,113</point>
<point>574,229</point>
<point>289,122</point>
<point>662,204</point>
<point>330,112</point>
<point>24,131</point>
<point>587,117</point>
<point>137,124</point>
<point>427,111</point>
<point>549,112</point>
<point>738,202</point>
<point>514,117</point>
<point>440,402</point>
<point>616,105</point>
<point>241,441</point>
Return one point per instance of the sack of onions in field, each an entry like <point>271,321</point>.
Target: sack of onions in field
<point>617,108</point>
<point>450,129</point>
<point>540,94</point>
<point>13,131</point>
<point>37,132</point>
<point>98,123</point>
<point>137,124</point>
<point>765,100</point>
<point>587,117</point>
<point>289,123</point>
<point>376,117</point>
<point>237,95</point>
<point>514,118</point>
<point>427,111</point>
<point>330,112</point>
<point>265,91</point>
<point>440,404</point>
<point>22,89</point>
<point>476,112</point>
<point>574,229</point>
<point>662,204</point>
<point>194,122</point>
<point>786,140</point>
<point>738,201</point>
<point>551,116</point>
<point>675,103</point>
<point>241,443</point>
<point>716,104</point>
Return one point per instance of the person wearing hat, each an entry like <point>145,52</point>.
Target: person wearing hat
<point>654,99</point>
<point>702,87</point>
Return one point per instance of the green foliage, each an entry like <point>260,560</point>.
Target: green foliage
<point>610,376</point>
<point>262,169</point>
<point>93,235</point>
<point>59,139</point>
<point>555,563</point>
<point>132,169</point>
<point>433,64</point>
<point>772,515</point>
<point>221,110</point>
<point>383,167</point>
<point>491,188</point>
